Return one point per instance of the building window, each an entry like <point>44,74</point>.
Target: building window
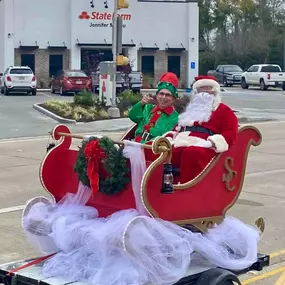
<point>174,65</point>
<point>148,65</point>
<point>91,58</point>
<point>55,64</point>
<point>28,60</point>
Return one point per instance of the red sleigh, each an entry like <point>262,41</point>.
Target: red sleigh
<point>201,202</point>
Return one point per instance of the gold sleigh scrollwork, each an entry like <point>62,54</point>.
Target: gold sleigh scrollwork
<point>230,173</point>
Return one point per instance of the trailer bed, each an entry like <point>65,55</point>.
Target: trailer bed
<point>33,275</point>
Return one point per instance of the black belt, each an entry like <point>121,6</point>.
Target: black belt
<point>197,129</point>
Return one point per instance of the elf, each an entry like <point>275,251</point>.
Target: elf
<point>155,120</point>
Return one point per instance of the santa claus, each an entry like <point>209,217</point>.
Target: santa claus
<point>205,128</point>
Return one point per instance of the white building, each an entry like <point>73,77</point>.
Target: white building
<point>158,36</point>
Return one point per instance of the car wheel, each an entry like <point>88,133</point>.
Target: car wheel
<point>243,84</point>
<point>2,90</point>
<point>262,85</point>
<point>34,92</point>
<point>225,82</point>
<point>283,87</point>
<point>6,91</point>
<point>61,92</point>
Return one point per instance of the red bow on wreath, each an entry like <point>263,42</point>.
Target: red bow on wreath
<point>94,154</point>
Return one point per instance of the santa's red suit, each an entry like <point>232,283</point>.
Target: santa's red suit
<point>205,128</point>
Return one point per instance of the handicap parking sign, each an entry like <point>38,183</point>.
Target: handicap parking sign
<point>193,65</point>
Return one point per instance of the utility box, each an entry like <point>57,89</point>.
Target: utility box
<point>105,82</point>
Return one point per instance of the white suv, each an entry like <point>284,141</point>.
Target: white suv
<point>18,79</point>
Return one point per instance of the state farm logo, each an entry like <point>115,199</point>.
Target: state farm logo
<point>84,16</point>
<point>102,16</point>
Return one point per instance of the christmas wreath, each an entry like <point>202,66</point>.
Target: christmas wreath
<point>94,152</point>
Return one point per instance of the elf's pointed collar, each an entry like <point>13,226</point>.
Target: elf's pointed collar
<point>168,110</point>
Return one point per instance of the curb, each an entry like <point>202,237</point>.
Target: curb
<point>254,120</point>
<point>52,115</point>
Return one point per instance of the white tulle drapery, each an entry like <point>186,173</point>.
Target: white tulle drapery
<point>129,247</point>
<point>134,152</point>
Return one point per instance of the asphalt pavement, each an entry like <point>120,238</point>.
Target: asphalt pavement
<point>19,119</point>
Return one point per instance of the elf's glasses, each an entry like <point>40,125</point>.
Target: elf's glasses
<point>164,94</point>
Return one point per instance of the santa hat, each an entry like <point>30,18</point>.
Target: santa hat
<point>205,80</point>
<point>170,82</point>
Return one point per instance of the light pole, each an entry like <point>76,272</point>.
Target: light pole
<point>283,50</point>
<point>114,111</point>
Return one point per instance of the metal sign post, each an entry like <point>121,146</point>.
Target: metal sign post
<point>113,111</point>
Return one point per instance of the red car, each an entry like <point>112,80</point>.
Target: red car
<point>67,81</point>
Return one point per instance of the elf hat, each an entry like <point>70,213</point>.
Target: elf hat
<point>170,82</point>
<point>205,80</point>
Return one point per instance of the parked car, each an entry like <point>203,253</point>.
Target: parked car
<point>263,75</point>
<point>67,81</point>
<point>133,80</point>
<point>18,79</point>
<point>228,75</point>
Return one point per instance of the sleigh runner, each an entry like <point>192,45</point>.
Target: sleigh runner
<point>198,204</point>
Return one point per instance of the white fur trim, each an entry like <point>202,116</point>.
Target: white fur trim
<point>183,140</point>
<point>220,143</point>
<point>206,82</point>
<point>170,139</point>
<point>217,101</point>
<point>178,128</point>
<point>184,123</point>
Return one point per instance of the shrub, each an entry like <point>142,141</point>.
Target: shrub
<point>148,81</point>
<point>181,103</point>
<point>100,103</point>
<point>128,98</point>
<point>85,98</point>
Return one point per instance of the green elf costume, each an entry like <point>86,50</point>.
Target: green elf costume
<point>153,121</point>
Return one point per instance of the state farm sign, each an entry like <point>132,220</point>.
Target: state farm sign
<point>99,16</point>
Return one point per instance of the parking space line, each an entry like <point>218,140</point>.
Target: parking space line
<point>277,253</point>
<point>281,280</point>
<point>45,94</point>
<point>264,275</point>
<point>11,209</point>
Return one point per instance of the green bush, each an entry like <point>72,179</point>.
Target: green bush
<point>128,98</point>
<point>85,98</point>
<point>100,103</point>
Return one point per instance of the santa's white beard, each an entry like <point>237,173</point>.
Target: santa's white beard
<point>198,110</point>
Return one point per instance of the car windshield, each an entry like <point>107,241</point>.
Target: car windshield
<point>21,71</point>
<point>270,68</point>
<point>75,74</point>
<point>234,68</point>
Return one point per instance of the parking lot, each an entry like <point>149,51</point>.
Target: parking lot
<point>19,119</point>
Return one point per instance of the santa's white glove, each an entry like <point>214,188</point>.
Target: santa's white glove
<point>87,137</point>
<point>170,139</point>
<point>206,144</point>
